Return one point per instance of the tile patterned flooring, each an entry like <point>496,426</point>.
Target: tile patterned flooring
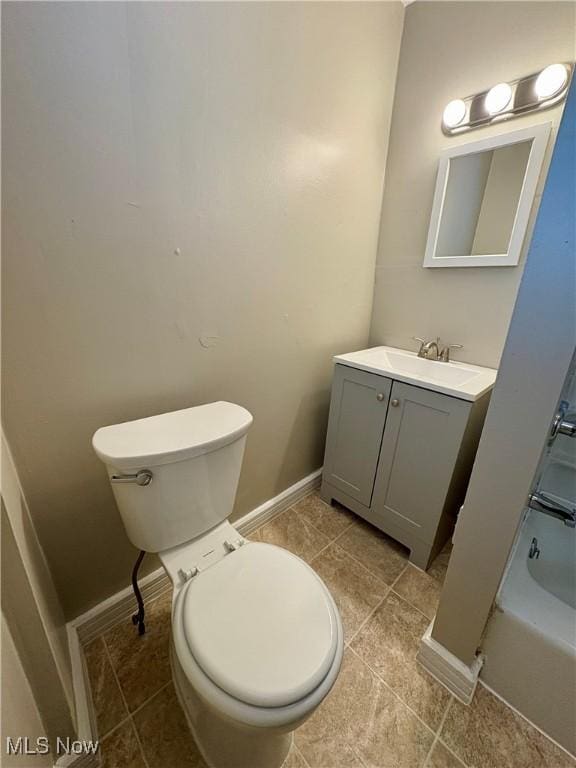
<point>385,711</point>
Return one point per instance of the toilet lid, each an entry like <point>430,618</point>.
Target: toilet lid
<point>261,625</point>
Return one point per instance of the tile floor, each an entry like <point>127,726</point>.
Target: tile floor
<point>384,711</point>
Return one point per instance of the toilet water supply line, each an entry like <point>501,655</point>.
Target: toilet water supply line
<point>138,618</point>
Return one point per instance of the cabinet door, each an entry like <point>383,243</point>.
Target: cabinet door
<point>357,415</point>
<point>420,448</point>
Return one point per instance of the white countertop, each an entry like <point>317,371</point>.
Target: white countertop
<point>468,382</point>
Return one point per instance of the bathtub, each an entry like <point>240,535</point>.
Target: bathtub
<point>530,642</point>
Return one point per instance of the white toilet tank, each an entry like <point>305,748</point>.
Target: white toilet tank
<point>175,475</point>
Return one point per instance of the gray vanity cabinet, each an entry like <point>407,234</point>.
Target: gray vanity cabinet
<point>357,416</point>
<point>400,456</point>
<point>419,452</point>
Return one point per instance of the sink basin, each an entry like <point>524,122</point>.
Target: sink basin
<point>468,382</point>
<point>444,373</point>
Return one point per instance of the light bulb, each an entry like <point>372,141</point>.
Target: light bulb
<point>454,113</point>
<point>551,81</point>
<point>498,98</point>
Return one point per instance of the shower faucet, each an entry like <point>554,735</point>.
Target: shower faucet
<point>564,422</point>
<point>542,503</point>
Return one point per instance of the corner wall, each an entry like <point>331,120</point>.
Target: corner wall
<point>20,715</point>
<point>34,620</point>
<point>451,50</point>
<point>536,359</point>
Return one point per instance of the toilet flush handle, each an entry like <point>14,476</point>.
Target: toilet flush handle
<point>143,477</point>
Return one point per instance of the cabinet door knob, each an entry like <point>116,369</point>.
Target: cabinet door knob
<point>380,396</point>
<point>395,402</point>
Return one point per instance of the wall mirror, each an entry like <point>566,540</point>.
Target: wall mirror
<point>484,193</point>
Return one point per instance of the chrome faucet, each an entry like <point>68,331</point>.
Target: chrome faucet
<point>428,349</point>
<point>432,350</point>
<point>444,354</point>
<point>564,422</point>
<point>542,503</point>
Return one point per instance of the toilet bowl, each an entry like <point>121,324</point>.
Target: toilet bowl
<point>256,646</point>
<point>256,639</point>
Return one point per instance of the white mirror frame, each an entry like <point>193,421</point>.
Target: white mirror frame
<point>539,135</point>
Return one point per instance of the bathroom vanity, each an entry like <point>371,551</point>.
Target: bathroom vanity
<point>402,437</point>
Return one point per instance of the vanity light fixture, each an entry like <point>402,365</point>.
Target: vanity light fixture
<point>535,92</point>
<point>551,81</point>
<point>498,98</point>
<point>454,113</point>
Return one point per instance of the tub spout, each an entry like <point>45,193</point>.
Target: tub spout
<point>542,503</point>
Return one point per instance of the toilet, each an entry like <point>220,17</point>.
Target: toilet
<point>256,640</point>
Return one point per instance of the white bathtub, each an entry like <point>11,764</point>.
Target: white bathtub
<point>542,590</point>
<point>530,643</point>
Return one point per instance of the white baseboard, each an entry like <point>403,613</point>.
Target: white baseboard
<point>84,707</point>
<point>453,674</point>
<point>118,607</point>
<point>273,507</point>
<point>121,606</point>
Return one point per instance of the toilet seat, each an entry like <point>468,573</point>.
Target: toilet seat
<point>261,625</point>
<point>289,715</point>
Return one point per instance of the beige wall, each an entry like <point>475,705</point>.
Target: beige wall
<point>36,631</point>
<point>450,50</point>
<point>31,562</point>
<point>20,715</point>
<point>192,196</point>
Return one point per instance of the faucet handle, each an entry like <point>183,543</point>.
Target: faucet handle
<point>422,342</point>
<point>444,354</point>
